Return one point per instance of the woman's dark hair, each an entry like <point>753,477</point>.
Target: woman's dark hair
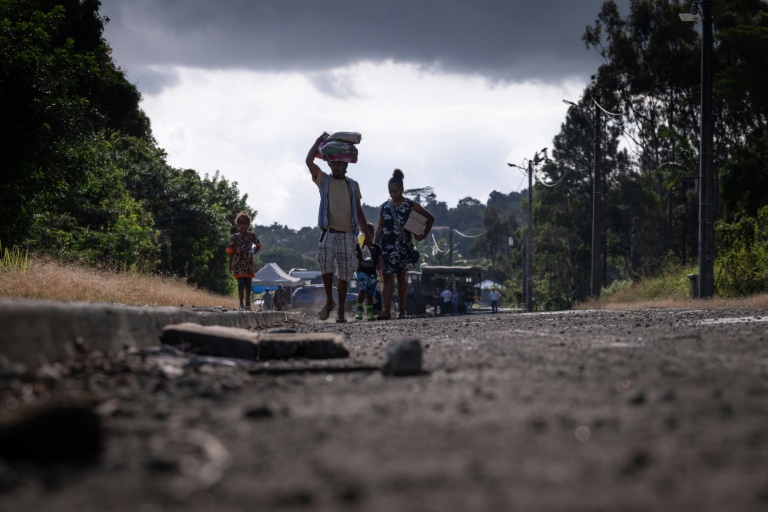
<point>397,177</point>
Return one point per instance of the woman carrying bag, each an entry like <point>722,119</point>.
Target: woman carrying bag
<point>397,243</point>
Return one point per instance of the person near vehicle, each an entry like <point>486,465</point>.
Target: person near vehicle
<point>242,245</point>
<point>455,301</point>
<point>495,297</point>
<point>437,300</point>
<point>396,242</point>
<point>446,295</point>
<point>340,217</point>
<point>267,301</point>
<point>281,298</point>
<point>469,301</point>
<point>369,262</point>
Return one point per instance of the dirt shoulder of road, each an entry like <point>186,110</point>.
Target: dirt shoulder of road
<point>636,409</point>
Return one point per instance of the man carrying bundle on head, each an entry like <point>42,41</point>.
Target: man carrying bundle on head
<point>340,215</point>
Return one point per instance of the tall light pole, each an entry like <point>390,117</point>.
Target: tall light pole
<point>597,203</point>
<point>529,245</point>
<point>701,10</point>
<point>528,263</point>
<point>597,209</point>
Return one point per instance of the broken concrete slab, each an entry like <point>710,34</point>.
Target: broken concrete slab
<point>212,340</point>
<point>244,344</point>
<point>309,346</point>
<point>36,332</point>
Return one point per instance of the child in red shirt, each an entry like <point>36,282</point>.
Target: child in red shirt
<point>242,246</point>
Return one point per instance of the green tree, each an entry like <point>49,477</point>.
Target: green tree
<point>493,245</point>
<point>52,60</point>
<point>651,73</point>
<point>98,221</point>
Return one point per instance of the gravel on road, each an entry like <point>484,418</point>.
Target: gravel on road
<point>653,409</point>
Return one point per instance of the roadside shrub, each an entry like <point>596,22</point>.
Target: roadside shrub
<point>741,265</point>
<point>14,259</point>
<point>557,304</point>
<point>672,284</point>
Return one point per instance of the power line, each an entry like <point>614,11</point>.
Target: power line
<point>434,241</point>
<point>475,236</point>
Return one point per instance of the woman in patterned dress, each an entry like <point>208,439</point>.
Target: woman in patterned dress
<point>395,250</point>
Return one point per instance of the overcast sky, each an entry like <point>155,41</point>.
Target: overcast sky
<point>447,91</point>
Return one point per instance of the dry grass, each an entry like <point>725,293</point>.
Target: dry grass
<point>671,289</point>
<point>51,280</point>
<point>753,302</point>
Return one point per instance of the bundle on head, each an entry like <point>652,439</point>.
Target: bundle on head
<point>337,151</point>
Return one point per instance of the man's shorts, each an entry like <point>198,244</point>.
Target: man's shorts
<point>336,254</point>
<point>366,282</point>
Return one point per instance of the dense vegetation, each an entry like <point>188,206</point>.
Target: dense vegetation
<point>83,179</point>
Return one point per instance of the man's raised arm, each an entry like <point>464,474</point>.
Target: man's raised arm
<point>313,168</point>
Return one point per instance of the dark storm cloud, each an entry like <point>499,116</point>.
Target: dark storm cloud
<point>498,39</point>
<point>153,81</point>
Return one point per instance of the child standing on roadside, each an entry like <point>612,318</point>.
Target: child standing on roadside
<point>242,246</point>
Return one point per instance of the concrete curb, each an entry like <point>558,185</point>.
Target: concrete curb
<point>34,332</point>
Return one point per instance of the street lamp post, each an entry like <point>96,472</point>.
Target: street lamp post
<point>529,245</point>
<point>706,176</point>
<point>597,209</point>
<point>701,10</point>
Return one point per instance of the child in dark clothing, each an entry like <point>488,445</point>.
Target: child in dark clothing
<point>369,263</point>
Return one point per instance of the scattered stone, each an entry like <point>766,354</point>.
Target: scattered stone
<point>298,498</point>
<point>668,396</point>
<point>404,357</point>
<point>670,423</point>
<point>259,412</point>
<point>638,399</point>
<point>350,494</point>
<point>8,478</point>
<point>60,434</point>
<point>637,462</point>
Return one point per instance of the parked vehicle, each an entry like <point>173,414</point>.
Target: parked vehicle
<point>312,296</point>
<point>307,276</point>
<point>425,285</point>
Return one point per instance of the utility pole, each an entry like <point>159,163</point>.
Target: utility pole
<point>529,241</point>
<point>597,203</point>
<point>596,209</point>
<point>528,246</point>
<point>706,176</point>
<point>450,244</point>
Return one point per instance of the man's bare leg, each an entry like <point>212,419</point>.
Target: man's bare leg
<point>341,287</point>
<point>329,304</point>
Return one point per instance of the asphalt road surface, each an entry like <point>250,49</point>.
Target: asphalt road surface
<point>636,410</point>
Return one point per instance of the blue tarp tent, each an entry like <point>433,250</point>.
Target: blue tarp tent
<point>270,276</point>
